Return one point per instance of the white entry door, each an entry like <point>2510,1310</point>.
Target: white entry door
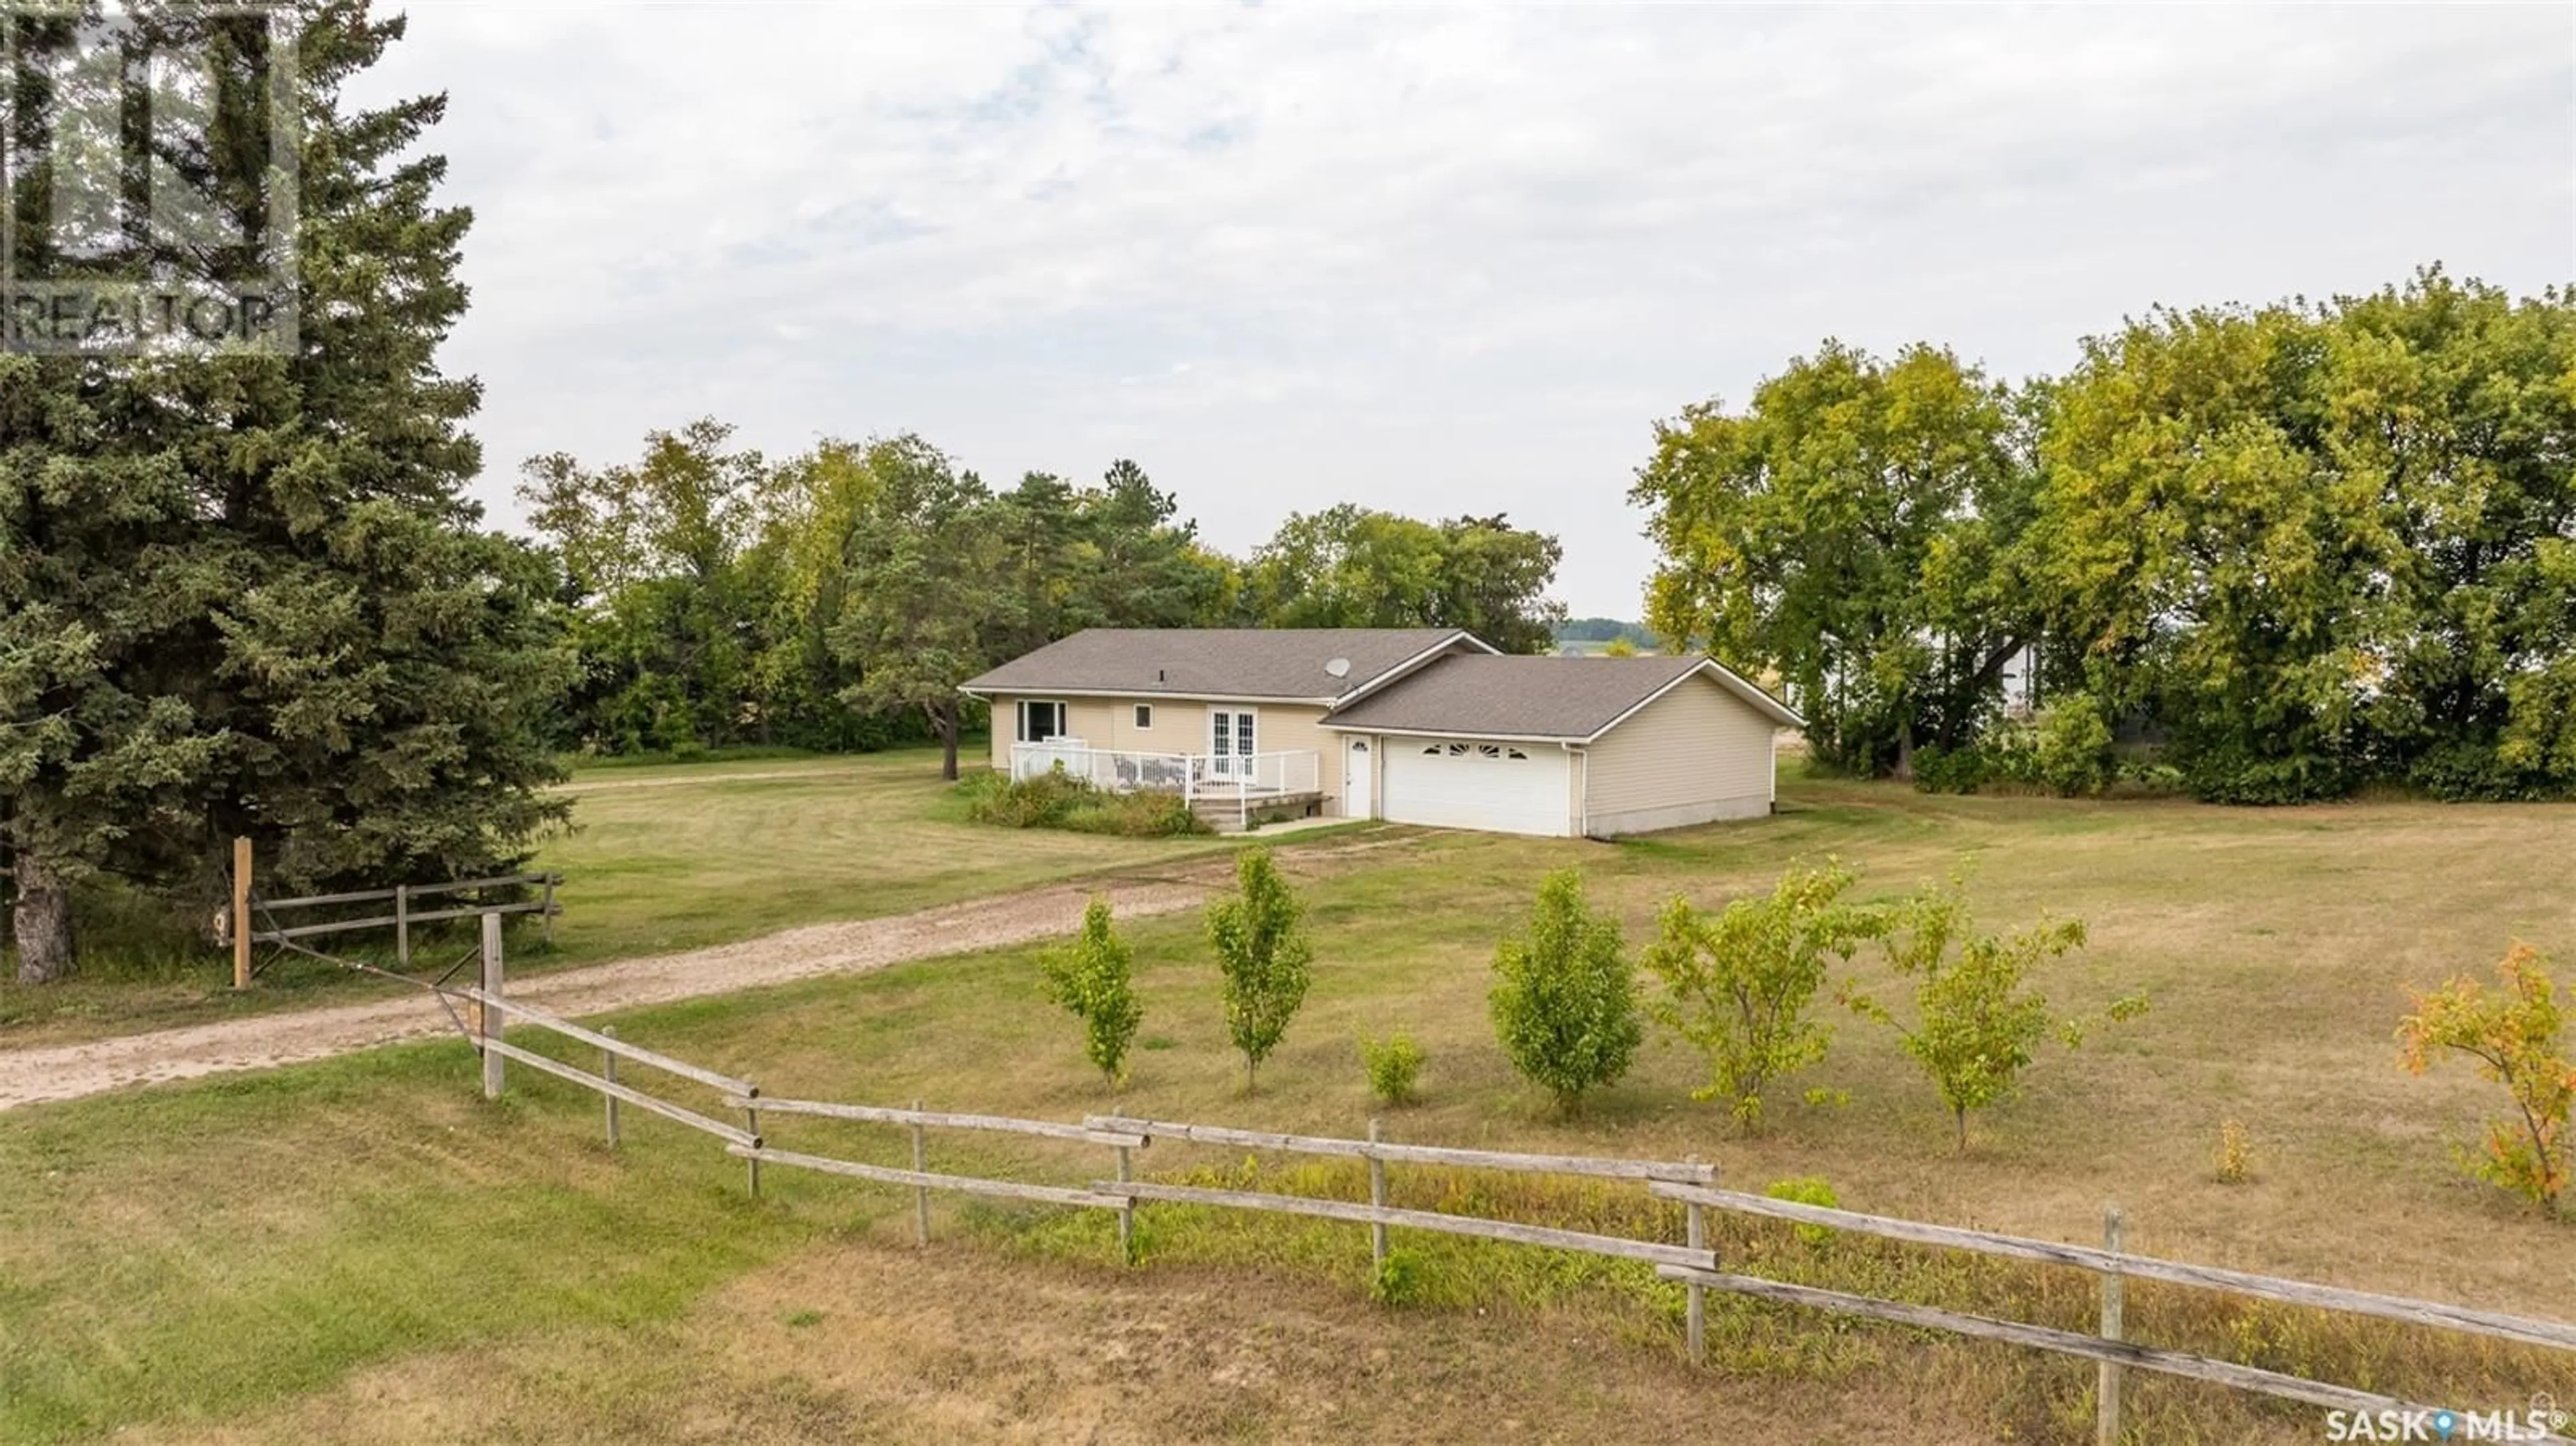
<point>1231,743</point>
<point>1358,780</point>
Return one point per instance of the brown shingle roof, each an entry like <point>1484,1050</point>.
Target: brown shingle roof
<point>1531,697</point>
<point>1214,662</point>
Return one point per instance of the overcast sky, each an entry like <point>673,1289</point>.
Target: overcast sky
<point>1437,260</point>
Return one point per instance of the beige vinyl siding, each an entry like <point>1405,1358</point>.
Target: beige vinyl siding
<point>1278,728</point>
<point>1180,726</point>
<point>1695,754</point>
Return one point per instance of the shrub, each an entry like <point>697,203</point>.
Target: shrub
<point>1394,1065</point>
<point>2065,749</point>
<point>1261,946</point>
<point>1055,799</point>
<point>2235,1160</point>
<point>1091,979</point>
<point>1807,1190</point>
<point>1949,770</point>
<point>2514,1038</point>
<point>1976,1020</point>
<point>2072,747</point>
<point>1565,1000</point>
<point>1399,1279</point>
<point>1736,987</point>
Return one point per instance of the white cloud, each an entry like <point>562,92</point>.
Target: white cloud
<point>1438,259</point>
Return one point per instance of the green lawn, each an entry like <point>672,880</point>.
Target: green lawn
<point>659,857</point>
<point>294,1251</point>
<point>291,1252</point>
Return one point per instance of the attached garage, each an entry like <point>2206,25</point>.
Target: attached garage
<point>1577,746</point>
<point>1495,784</point>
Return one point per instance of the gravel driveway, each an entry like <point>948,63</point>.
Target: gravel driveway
<point>63,1072</point>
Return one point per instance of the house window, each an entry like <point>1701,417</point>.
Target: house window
<point>1515,753</point>
<point>1040,720</point>
<point>1144,715</point>
<point>1489,750</point>
<point>1431,752</point>
<point>1457,750</point>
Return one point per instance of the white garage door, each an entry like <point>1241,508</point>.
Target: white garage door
<point>1504,787</point>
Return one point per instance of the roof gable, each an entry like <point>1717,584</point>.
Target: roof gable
<point>1566,699</point>
<point>1221,662</point>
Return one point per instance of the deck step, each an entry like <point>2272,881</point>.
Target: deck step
<point>1226,815</point>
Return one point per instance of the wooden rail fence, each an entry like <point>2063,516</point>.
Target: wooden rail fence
<point>1690,1184</point>
<point>247,906</point>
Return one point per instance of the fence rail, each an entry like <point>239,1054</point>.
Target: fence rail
<point>923,1180</point>
<point>739,1093</point>
<point>2073,1343</point>
<point>1590,1165</point>
<point>248,906</point>
<point>1689,1184</point>
<point>1548,1236</point>
<point>939,1120</point>
<point>2141,1267</point>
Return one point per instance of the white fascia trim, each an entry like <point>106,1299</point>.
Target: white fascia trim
<point>1753,693</point>
<point>1378,728</point>
<point>1770,707</point>
<point>1139,695</point>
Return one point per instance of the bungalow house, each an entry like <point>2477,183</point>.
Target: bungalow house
<point>1411,725</point>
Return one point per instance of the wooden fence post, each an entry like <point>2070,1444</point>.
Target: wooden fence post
<point>751,1115</point>
<point>488,1022</point>
<point>1695,1228</point>
<point>608,1071</point>
<point>241,913</point>
<point>1126,1213</point>
<point>549,913</point>
<point>2106,1421</point>
<point>1377,1197</point>
<point>920,1193</point>
<point>402,927</point>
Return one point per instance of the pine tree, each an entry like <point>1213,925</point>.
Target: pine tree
<point>246,593</point>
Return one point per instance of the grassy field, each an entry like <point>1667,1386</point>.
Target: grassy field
<point>660,857</point>
<point>353,1250</point>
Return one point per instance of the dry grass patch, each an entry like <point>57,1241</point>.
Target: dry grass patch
<point>261,1250</point>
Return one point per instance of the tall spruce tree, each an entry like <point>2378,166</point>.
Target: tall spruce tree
<point>246,593</point>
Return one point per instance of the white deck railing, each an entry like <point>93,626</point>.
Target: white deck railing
<point>1235,777</point>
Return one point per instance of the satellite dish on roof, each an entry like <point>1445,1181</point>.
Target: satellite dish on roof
<point>1339,667</point>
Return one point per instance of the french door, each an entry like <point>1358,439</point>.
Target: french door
<point>1231,742</point>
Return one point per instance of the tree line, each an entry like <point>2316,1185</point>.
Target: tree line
<point>249,594</point>
<point>2301,547</point>
<point>836,599</point>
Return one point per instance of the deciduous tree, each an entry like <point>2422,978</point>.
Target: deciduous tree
<point>1354,567</point>
<point>931,601</point>
<point>1091,978</point>
<point>1737,986</point>
<point>1259,935</point>
<point>2514,1035</point>
<point>1850,531</point>
<point>1565,996</point>
<point>1977,1020</point>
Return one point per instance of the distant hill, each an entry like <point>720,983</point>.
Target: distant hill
<point>1591,635</point>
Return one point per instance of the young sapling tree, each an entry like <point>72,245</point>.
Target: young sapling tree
<point>1261,947</point>
<point>1091,978</point>
<point>1977,1020</point>
<point>2514,1037</point>
<point>1565,998</point>
<point>1737,984</point>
